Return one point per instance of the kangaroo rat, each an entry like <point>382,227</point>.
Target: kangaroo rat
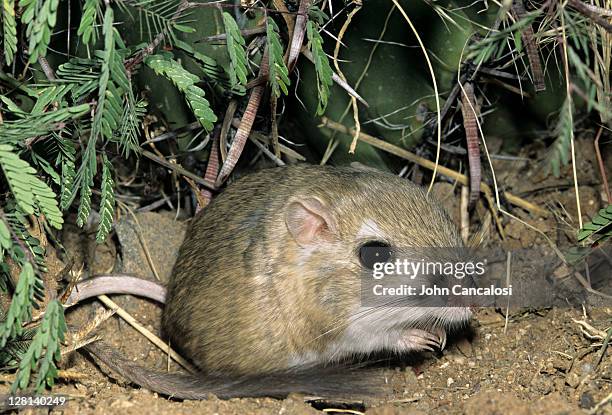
<point>267,279</point>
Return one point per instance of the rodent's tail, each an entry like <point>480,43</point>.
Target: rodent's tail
<point>321,382</point>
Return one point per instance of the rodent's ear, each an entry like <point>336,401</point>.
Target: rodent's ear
<point>309,220</point>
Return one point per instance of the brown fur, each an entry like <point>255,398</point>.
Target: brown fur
<point>240,301</point>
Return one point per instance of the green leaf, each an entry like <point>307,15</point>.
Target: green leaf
<point>40,18</point>
<point>20,310</point>
<point>11,106</point>
<point>66,158</point>
<point>185,82</point>
<point>87,27</point>
<point>18,224</point>
<point>184,28</point>
<point>49,95</point>
<point>317,15</point>
<point>130,124</point>
<point>46,167</point>
<point>43,352</point>
<point>5,236</point>
<point>212,70</point>
<point>103,118</point>
<point>107,205</point>
<point>278,72</point>
<point>9,30</point>
<point>6,242</point>
<point>600,226</point>
<point>88,169</point>
<point>156,16</point>
<point>108,114</point>
<point>518,41</point>
<point>84,205</point>
<point>324,71</point>
<point>559,154</point>
<point>29,191</point>
<point>236,49</point>
<point>31,125</point>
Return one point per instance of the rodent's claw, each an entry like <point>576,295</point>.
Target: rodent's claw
<point>442,338</point>
<point>416,339</point>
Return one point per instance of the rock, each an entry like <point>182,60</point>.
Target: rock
<point>161,234</point>
<point>572,380</point>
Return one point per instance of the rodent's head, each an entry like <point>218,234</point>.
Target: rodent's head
<point>331,222</point>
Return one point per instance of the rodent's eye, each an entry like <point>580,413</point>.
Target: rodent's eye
<point>374,251</point>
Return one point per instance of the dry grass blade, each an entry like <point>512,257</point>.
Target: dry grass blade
<point>71,375</point>
<point>180,170</point>
<point>244,32</point>
<point>142,330</point>
<point>589,331</point>
<point>343,29</point>
<point>100,317</point>
<point>604,347</point>
<point>568,84</point>
<point>435,86</point>
<point>289,152</point>
<point>336,78</point>
<point>267,152</point>
<point>145,247</point>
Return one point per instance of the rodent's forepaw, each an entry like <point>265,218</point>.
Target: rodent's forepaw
<point>417,339</point>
